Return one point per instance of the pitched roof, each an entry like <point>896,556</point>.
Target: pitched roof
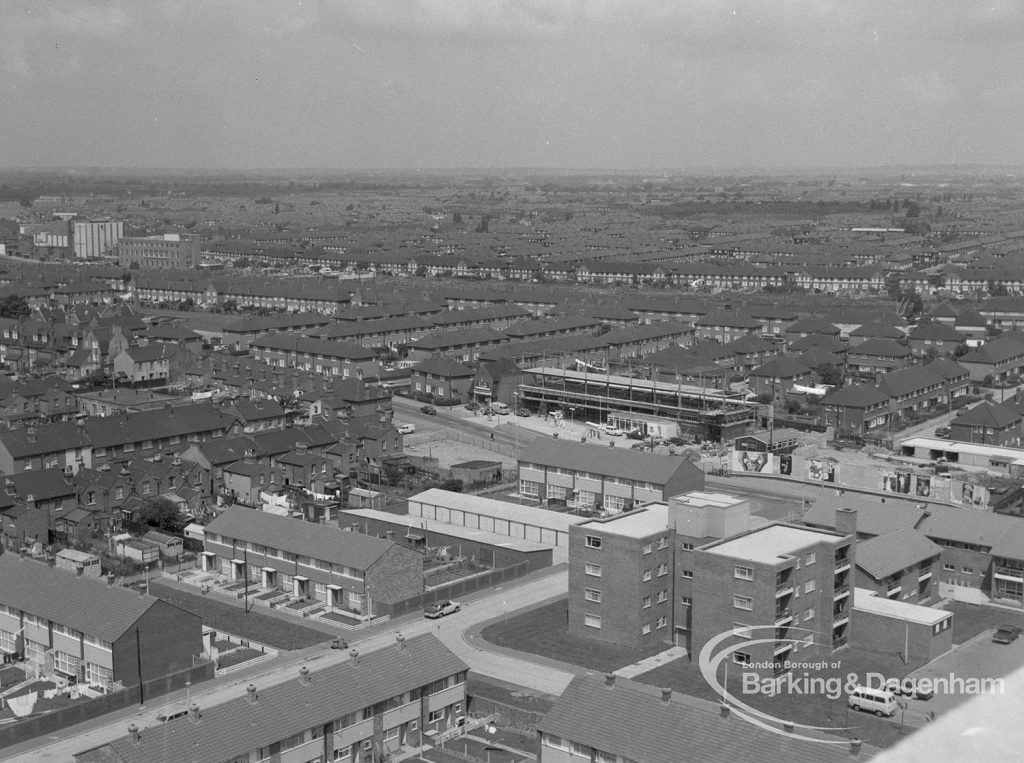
<point>988,414</point>
<point>995,351</point>
<point>813,326</point>
<point>856,396</point>
<point>631,720</point>
<point>784,367</point>
<point>730,319</point>
<point>444,367</point>
<point>750,343</point>
<point>618,462</point>
<point>938,331</point>
<point>894,551</point>
<point>872,518</point>
<point>85,604</point>
<point>907,381</point>
<point>280,710</point>
<point>819,341</point>
<point>880,348</point>
<point>331,544</point>
<point>882,330</point>
<point>947,369</point>
<point>50,438</point>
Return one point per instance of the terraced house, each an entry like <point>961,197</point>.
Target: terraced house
<point>347,360</point>
<point>88,630</point>
<point>341,569</point>
<point>366,709</point>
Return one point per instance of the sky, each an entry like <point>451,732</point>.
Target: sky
<point>570,84</point>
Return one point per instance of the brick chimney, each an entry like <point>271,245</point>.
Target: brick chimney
<point>304,675</point>
<point>846,521</point>
<point>133,732</point>
<point>250,694</point>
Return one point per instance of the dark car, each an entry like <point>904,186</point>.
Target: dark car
<point>1006,634</point>
<point>915,689</point>
<point>942,432</point>
<point>522,412</point>
<point>442,608</point>
<point>339,643</point>
<point>429,410</point>
<point>472,406</point>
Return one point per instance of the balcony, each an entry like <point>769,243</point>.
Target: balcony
<point>783,616</point>
<point>781,649</point>
<point>925,574</point>
<point>843,620</point>
<point>838,642</point>
<point>1010,573</point>
<point>841,591</point>
<point>783,589</point>
<point>842,564</point>
<point>893,590</point>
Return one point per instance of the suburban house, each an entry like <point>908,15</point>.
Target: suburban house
<point>988,423</point>
<point>934,339</point>
<point>343,569</point>
<point>89,630</point>
<point>441,378</point>
<point>614,479</point>
<point>776,377</point>
<point>366,709</point>
<point>857,410</point>
<point>996,360</point>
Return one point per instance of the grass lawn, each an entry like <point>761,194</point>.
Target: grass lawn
<point>543,631</point>
<point>471,749</point>
<point>971,619</point>
<point>477,686</point>
<point>11,675</point>
<point>237,656</point>
<point>256,626</point>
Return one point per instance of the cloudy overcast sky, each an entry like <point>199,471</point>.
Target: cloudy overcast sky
<point>486,83</point>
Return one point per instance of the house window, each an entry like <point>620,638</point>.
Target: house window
<point>592,594</point>
<point>687,547</point>
<point>648,547</point>
<point>741,658</point>
<point>662,569</point>
<point>688,574</point>
<point>647,601</point>
<point>810,585</point>
<point>592,621</point>
<point>662,596</point>
<point>119,492</point>
<point>662,621</point>
<point>662,543</point>
<point>147,487</point>
<point>92,497</point>
<point>949,567</point>
<point>743,602</point>
<point>645,629</point>
<point>743,573</point>
<point>685,601</point>
<point>809,614</point>
<point>593,541</point>
<point>592,569</point>
<point>647,575</point>
<point>809,559</point>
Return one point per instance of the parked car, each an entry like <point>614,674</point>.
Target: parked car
<point>942,432</point>
<point>522,412</point>
<point>442,608</point>
<point>1006,634</point>
<point>473,406</point>
<point>406,428</point>
<point>429,410</point>
<point>915,690</point>
<point>339,643</point>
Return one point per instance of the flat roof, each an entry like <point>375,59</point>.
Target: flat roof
<point>638,523</point>
<point>866,600</point>
<point>1012,455</point>
<point>704,498</point>
<point>490,507</point>
<point>770,544</point>
<point>408,523</point>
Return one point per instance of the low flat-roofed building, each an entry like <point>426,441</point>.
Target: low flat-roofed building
<point>918,633</point>
<point>549,528</point>
<point>488,548</point>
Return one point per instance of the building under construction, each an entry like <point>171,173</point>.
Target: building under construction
<point>654,408</point>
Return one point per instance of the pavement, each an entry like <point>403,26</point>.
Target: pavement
<point>459,632</point>
<point>650,663</point>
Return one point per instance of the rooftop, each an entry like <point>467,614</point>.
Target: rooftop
<point>771,544</point>
<point>867,601</point>
<point>640,523</point>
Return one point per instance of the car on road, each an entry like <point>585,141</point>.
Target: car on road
<point>339,643</point>
<point>472,406</point>
<point>522,412</point>
<point>1006,634</point>
<point>429,410</point>
<point>406,428</point>
<point>442,608</point>
<point>908,687</point>
<point>942,432</point>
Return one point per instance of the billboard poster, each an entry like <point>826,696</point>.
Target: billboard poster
<point>821,471</point>
<point>786,465</point>
<point>970,495</point>
<point>896,482</point>
<point>924,486</point>
<point>751,461</point>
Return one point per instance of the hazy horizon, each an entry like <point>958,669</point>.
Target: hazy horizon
<point>601,86</point>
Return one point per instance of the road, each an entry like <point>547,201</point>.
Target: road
<point>480,656</point>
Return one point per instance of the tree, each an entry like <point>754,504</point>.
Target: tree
<point>13,306</point>
<point>830,375</point>
<point>162,514</point>
<point>451,485</point>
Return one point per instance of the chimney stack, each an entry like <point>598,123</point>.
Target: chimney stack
<point>787,726</point>
<point>250,692</point>
<point>193,713</point>
<point>666,695</point>
<point>133,732</point>
<point>609,679</point>
<point>304,675</point>
<point>855,744</point>
<point>846,521</point>
<point>354,656</point>
<point>725,709</point>
<point>110,578</point>
<point>400,640</point>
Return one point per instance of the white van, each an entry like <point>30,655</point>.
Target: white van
<point>500,408</point>
<point>877,701</point>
